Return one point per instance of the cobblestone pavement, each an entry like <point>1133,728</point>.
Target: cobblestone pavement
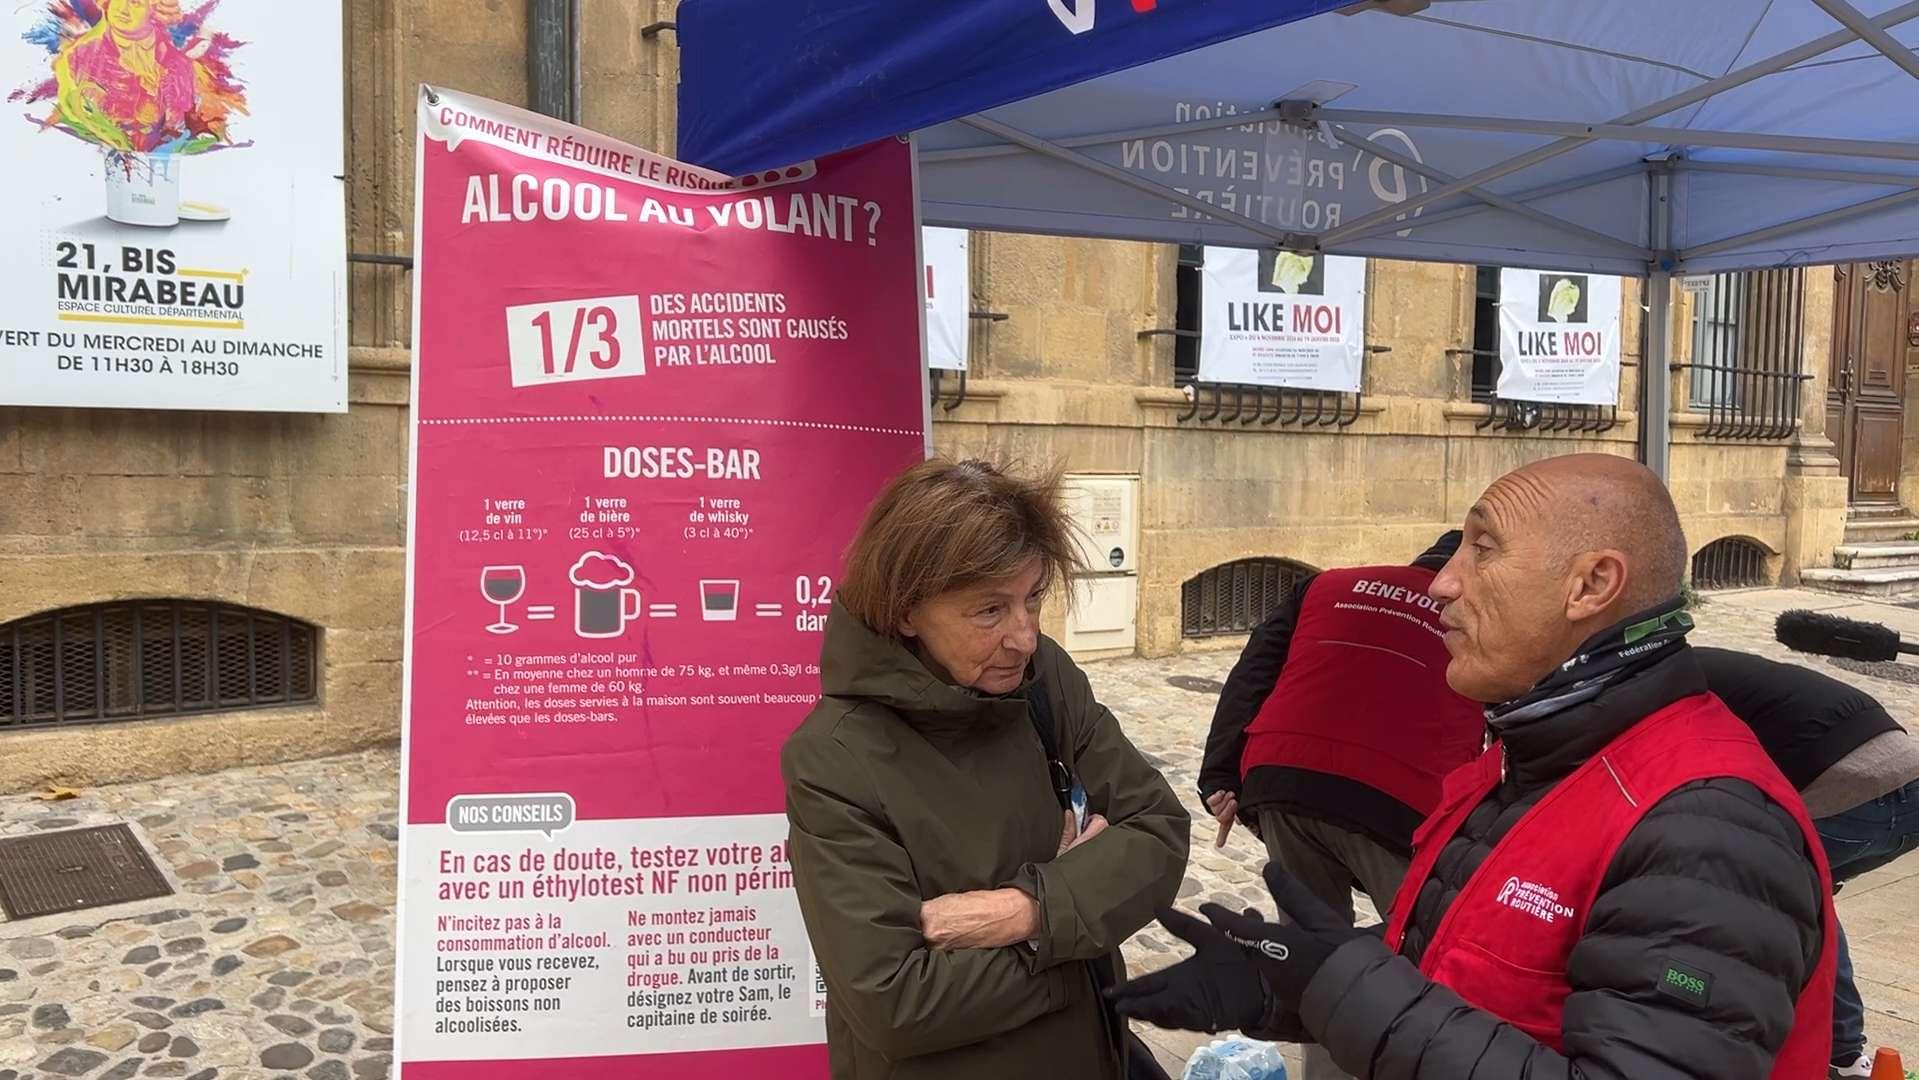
<point>275,957</point>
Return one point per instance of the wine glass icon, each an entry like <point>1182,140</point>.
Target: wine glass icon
<point>503,585</point>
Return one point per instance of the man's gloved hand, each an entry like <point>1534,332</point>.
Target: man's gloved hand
<point>1288,956</point>
<point>1215,989</point>
<point>1246,972</point>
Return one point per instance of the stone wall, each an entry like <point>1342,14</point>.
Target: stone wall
<point>299,515</point>
<point>303,515</point>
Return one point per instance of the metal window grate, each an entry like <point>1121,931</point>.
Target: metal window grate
<point>1236,404</point>
<point>1485,350</point>
<point>1186,314</point>
<point>1748,354</point>
<point>1235,597</point>
<point>127,661</point>
<point>1733,562</point>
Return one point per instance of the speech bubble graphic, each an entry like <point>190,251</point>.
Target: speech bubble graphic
<point>547,812</point>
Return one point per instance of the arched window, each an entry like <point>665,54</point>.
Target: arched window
<point>1234,597</point>
<point>144,658</point>
<point>1732,562</point>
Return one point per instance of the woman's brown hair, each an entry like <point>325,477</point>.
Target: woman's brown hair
<point>944,525</point>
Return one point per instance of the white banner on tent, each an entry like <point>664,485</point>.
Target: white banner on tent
<point>947,286</point>
<point>1559,337</point>
<point>1276,318</point>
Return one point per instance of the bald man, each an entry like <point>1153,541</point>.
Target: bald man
<point>1624,886</point>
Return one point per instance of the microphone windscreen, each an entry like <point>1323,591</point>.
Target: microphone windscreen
<point>1830,635</point>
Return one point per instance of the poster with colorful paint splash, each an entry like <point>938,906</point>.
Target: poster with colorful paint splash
<point>651,405</point>
<point>174,215</point>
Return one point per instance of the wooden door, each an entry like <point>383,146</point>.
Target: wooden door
<point>1866,384</point>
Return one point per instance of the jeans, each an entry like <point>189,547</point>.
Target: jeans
<point>1858,841</point>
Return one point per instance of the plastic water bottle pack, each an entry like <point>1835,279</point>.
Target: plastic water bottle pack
<point>1236,1059</point>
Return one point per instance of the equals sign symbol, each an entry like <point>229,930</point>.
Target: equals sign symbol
<point>767,611</point>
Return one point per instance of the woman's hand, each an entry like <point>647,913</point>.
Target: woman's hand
<point>1070,835</point>
<point>994,918</point>
<point>988,919</point>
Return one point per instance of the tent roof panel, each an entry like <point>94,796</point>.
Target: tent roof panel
<point>852,70</point>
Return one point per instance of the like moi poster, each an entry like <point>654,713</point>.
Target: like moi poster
<point>175,231</point>
<point>651,406</point>
<point>1281,318</point>
<point>1559,337</point>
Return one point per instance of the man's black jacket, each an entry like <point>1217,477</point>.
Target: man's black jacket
<point>1805,719</point>
<point>1716,876</point>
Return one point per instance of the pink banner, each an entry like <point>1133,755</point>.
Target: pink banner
<point>650,404</point>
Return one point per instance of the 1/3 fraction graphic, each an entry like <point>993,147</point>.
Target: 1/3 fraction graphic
<point>575,340</point>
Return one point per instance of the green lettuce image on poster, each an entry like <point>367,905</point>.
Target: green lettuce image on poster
<point>1290,270</point>
<point>1564,301</point>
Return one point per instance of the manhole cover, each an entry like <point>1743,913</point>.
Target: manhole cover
<point>1195,683</point>
<point>75,870</point>
<point>1890,670</point>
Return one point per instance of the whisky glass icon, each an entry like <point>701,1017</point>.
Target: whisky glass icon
<point>719,600</point>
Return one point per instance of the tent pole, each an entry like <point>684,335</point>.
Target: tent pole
<point>1633,133</point>
<point>1607,176</point>
<point>1490,198</point>
<point>1844,213</point>
<point>1850,18</point>
<point>1797,172</point>
<point>1655,380</point>
<point>1138,183</point>
<point>1383,220</point>
<point>1655,368</point>
<point>1104,138</point>
<point>1307,113</point>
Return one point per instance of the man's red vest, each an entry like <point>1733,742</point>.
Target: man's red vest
<point>1504,942</point>
<point>1363,693</point>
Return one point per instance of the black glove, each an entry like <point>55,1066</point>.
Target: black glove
<point>1245,973</point>
<point>1288,956</point>
<point>1215,989</point>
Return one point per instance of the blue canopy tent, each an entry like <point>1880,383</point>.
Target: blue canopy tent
<point>1634,137</point>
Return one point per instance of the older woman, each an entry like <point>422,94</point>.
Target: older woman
<point>972,834</point>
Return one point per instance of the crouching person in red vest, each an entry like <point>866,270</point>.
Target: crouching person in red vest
<point>1336,727</point>
<point>1624,886</point>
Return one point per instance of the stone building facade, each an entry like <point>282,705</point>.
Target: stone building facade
<point>294,524</point>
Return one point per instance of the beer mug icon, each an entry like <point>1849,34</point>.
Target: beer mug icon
<point>602,602</point>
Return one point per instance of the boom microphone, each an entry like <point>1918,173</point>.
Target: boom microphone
<point>1830,635</point>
